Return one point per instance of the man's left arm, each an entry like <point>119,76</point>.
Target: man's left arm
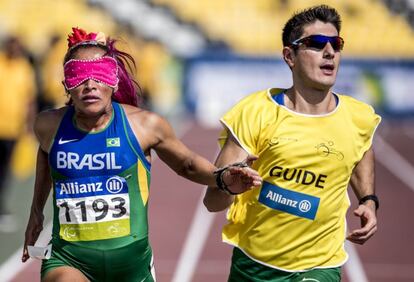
<point>362,182</point>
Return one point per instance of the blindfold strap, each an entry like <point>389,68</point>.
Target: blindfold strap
<point>104,69</point>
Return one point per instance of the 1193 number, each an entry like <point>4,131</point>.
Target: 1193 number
<point>100,207</point>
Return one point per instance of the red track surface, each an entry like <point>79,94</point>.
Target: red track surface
<point>388,256</point>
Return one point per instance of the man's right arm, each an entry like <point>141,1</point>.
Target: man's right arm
<point>217,200</point>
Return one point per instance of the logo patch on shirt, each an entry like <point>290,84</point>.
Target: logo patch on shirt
<point>292,202</point>
<point>276,140</point>
<point>327,149</point>
<point>113,142</point>
<point>61,141</point>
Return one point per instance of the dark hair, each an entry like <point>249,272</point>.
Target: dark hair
<point>128,88</point>
<point>294,27</point>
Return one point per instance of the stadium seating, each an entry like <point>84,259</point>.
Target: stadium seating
<point>249,27</point>
<point>35,21</point>
<point>254,26</point>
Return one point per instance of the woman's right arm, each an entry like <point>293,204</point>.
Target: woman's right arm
<point>45,127</point>
<point>42,186</point>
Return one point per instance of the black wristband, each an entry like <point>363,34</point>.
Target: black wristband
<point>219,178</point>
<point>221,185</point>
<point>370,197</point>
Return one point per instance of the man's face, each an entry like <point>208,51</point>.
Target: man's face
<point>313,67</point>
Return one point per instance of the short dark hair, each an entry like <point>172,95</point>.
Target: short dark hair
<point>294,27</point>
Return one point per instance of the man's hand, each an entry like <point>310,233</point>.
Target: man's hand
<point>240,179</point>
<point>33,229</point>
<point>368,224</point>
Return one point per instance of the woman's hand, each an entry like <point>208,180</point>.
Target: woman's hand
<point>33,229</point>
<point>240,177</point>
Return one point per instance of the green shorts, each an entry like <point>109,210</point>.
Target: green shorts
<point>129,263</point>
<point>244,269</point>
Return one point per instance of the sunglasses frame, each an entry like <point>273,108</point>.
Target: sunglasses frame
<point>326,39</point>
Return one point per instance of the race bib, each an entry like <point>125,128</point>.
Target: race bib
<point>93,208</point>
<point>295,203</point>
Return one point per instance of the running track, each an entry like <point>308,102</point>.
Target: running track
<point>187,242</point>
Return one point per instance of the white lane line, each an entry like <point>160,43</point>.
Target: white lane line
<point>403,170</point>
<point>194,243</point>
<point>408,129</point>
<point>394,162</point>
<point>353,267</point>
<point>14,265</point>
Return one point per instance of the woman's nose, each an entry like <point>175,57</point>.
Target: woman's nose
<point>90,84</point>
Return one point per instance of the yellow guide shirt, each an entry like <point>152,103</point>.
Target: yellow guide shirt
<point>296,220</point>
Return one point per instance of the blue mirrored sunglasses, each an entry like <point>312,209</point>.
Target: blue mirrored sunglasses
<point>319,42</point>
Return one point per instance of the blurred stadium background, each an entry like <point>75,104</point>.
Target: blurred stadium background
<point>194,60</point>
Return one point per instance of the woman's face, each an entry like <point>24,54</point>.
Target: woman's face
<point>91,98</point>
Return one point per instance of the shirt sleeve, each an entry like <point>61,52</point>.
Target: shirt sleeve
<point>244,122</point>
<point>368,133</point>
<point>365,122</point>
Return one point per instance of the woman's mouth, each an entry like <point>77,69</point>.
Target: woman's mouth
<point>90,98</point>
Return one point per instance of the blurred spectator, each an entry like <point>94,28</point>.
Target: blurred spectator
<point>160,77</point>
<point>51,71</point>
<point>17,97</point>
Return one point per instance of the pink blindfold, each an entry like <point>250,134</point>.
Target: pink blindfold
<point>103,70</point>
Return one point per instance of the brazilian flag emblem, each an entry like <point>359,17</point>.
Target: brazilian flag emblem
<point>113,142</point>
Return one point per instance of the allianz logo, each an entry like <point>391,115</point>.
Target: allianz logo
<point>113,185</point>
<point>303,206</point>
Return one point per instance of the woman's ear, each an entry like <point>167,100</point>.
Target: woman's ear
<point>289,56</point>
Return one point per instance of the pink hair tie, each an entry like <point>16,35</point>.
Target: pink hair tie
<point>104,70</point>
